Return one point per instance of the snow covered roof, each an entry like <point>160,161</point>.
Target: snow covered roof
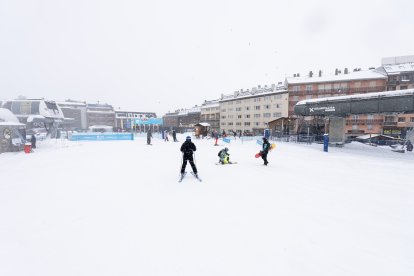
<point>361,96</point>
<point>370,136</point>
<point>11,124</point>
<point>204,124</point>
<point>32,117</point>
<point>358,75</point>
<point>7,116</point>
<point>190,110</point>
<point>398,68</point>
<point>70,104</point>
<point>209,104</point>
<point>255,92</point>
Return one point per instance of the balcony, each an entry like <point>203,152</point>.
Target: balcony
<point>365,122</point>
<point>390,123</point>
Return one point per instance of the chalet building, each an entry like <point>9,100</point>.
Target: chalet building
<point>339,84</point>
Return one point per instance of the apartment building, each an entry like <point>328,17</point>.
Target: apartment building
<point>339,84</point>
<point>400,74</point>
<point>250,111</point>
<point>100,114</point>
<point>210,113</point>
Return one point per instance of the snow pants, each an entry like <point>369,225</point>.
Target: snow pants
<point>264,157</point>
<point>191,160</point>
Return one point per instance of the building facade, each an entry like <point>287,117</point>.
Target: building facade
<point>125,119</point>
<point>348,83</point>
<point>250,111</point>
<point>183,119</point>
<point>210,113</point>
<point>75,115</point>
<point>100,115</point>
<point>400,76</point>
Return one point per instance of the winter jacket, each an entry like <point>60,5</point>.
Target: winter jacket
<point>188,148</point>
<point>265,146</point>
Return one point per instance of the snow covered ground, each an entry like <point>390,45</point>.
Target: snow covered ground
<point>116,208</point>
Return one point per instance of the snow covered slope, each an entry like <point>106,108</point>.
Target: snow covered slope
<point>116,208</point>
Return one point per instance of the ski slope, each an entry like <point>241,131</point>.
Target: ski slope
<point>116,208</point>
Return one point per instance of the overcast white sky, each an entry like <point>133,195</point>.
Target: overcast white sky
<point>163,55</point>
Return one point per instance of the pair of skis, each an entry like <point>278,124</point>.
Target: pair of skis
<point>184,174</point>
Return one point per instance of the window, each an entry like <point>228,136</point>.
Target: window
<point>277,105</point>
<point>257,99</point>
<point>372,83</point>
<point>230,124</point>
<point>321,87</point>
<point>247,116</point>
<point>405,78</point>
<point>238,116</point>
<point>308,88</point>
<point>357,84</point>
<point>296,88</point>
<point>369,127</point>
<point>401,119</point>
<point>257,107</point>
<point>296,98</point>
<point>247,123</point>
<point>256,124</point>
<point>230,110</point>
<point>257,115</point>
<point>223,117</point>
<point>267,106</point>
<point>238,108</point>
<point>238,124</point>
<point>277,114</point>
<point>354,127</point>
<point>266,115</point>
<point>355,117</point>
<point>279,96</point>
<point>223,123</point>
<point>230,117</point>
<point>230,103</point>
<point>238,102</point>
<point>412,119</point>
<point>247,107</point>
<point>267,98</point>
<point>223,110</point>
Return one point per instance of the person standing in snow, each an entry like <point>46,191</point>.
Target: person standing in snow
<point>265,150</point>
<point>166,135</point>
<point>149,136</point>
<point>174,135</point>
<point>187,148</point>
<point>33,141</point>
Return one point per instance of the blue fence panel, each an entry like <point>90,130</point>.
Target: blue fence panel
<point>101,136</point>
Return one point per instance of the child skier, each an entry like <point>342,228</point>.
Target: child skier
<point>187,149</point>
<point>224,156</point>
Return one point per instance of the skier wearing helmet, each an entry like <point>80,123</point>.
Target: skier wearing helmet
<point>187,148</point>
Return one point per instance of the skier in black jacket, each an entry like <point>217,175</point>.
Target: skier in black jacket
<point>187,149</point>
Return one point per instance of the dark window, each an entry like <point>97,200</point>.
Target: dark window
<point>35,107</point>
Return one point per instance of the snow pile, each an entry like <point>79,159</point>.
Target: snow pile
<point>116,208</point>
